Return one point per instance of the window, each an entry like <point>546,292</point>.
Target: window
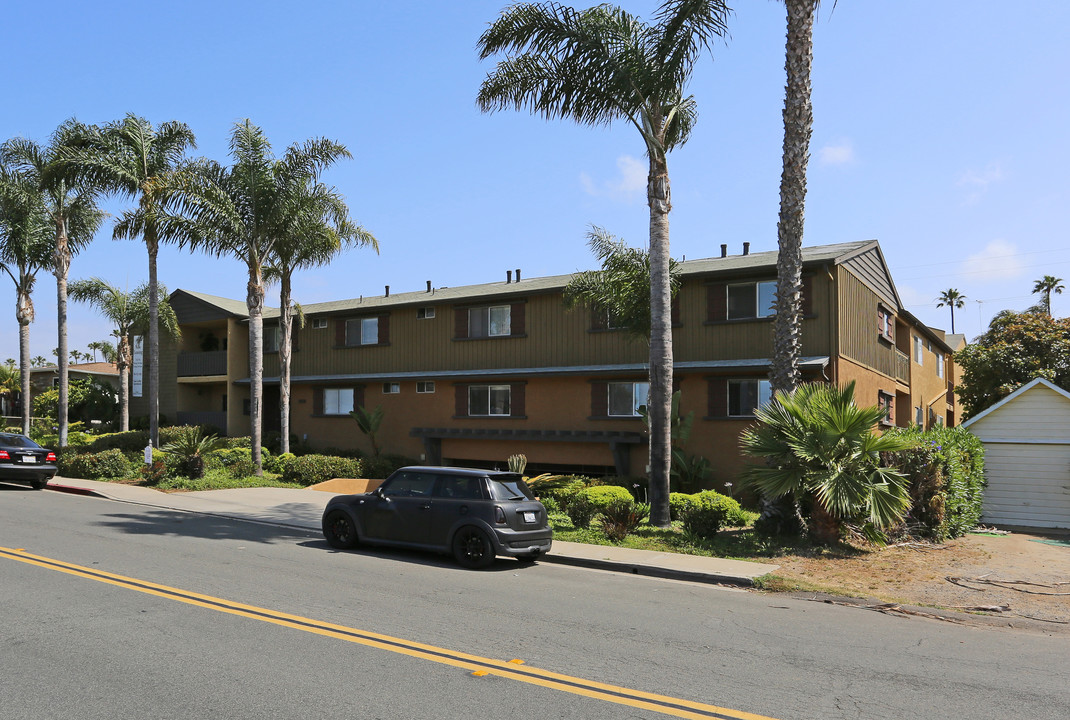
<point>751,300</point>
<point>885,324</point>
<point>745,396</point>
<point>319,324</point>
<point>919,416</point>
<point>918,347</point>
<point>391,388</point>
<point>425,313</point>
<point>459,487</point>
<point>488,321</point>
<point>425,386</point>
<point>939,365</point>
<point>410,484</point>
<point>940,420</point>
<point>625,398</point>
<point>271,338</point>
<point>884,400</point>
<point>337,401</point>
<point>485,400</point>
<point>362,331</point>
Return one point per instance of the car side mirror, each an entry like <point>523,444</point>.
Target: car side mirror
<point>380,494</point>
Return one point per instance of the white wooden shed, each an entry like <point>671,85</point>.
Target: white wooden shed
<point>1027,457</point>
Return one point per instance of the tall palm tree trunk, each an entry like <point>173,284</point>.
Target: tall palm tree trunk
<point>62,258</point>
<point>154,339</point>
<point>285,352</point>
<point>798,124</point>
<point>24,315</point>
<point>659,401</point>
<point>122,361</point>
<point>255,302</point>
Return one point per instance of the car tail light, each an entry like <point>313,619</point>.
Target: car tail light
<point>499,515</point>
<point>4,455</point>
<point>51,457</point>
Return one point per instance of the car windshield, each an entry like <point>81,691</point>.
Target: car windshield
<point>19,441</point>
<point>510,487</point>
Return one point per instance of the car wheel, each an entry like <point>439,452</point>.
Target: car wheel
<point>472,548</point>
<point>339,530</point>
<point>38,484</point>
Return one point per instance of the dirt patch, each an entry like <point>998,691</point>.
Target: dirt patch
<point>1031,579</point>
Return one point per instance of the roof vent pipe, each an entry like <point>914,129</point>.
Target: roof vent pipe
<point>746,248</point>
<point>387,291</point>
<point>508,276</point>
<point>518,274</point>
<point>428,286</point>
<point>724,249</point>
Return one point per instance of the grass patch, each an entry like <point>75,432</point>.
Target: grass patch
<point>221,480</point>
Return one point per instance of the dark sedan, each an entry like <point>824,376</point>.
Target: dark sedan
<point>472,514</point>
<point>23,460</point>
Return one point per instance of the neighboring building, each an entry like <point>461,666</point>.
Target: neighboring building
<point>471,375</point>
<point>47,376</point>
<point>1027,456</point>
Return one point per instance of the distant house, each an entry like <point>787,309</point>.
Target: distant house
<point>43,378</point>
<point>470,375</point>
<point>1027,456</point>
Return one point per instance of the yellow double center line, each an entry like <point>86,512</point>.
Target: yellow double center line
<point>513,669</point>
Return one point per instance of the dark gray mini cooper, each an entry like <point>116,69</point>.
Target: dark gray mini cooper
<point>472,514</point>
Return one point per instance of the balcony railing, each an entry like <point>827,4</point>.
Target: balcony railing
<point>902,366</point>
<point>192,364</point>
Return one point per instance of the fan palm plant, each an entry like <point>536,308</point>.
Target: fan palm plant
<point>953,299</point>
<point>133,159</point>
<point>318,231</point>
<point>1048,284</point>
<point>70,205</point>
<point>125,311</point>
<point>190,446</point>
<point>603,64</point>
<point>26,243</point>
<point>819,448</point>
<point>245,212</point>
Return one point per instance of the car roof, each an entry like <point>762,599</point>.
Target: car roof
<point>443,470</point>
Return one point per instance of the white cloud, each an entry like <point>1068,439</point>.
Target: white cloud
<point>840,153</point>
<point>982,178</point>
<point>998,260</point>
<point>628,186</point>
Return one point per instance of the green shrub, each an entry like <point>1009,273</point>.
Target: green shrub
<point>91,466</point>
<point>946,475</point>
<point>381,467</point>
<point>129,441</point>
<point>602,496</point>
<point>708,512</point>
<point>242,468</point>
<point>564,490</point>
<point>580,510</point>
<point>622,517</point>
<point>311,469</point>
<point>154,473</point>
<point>550,504</point>
<point>678,504</point>
<point>276,463</point>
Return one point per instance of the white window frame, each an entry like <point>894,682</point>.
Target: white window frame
<point>886,401</point>
<point>490,391</point>
<point>391,388</point>
<point>763,391</point>
<point>425,387</point>
<point>273,332</point>
<point>919,416</point>
<point>486,323</point>
<point>369,331</point>
<point>887,322</point>
<point>939,365</point>
<point>425,313</point>
<point>639,392</point>
<point>319,323</point>
<point>919,356</point>
<point>338,401</point>
<point>757,311</point>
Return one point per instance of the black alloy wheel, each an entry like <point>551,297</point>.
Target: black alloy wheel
<point>339,530</point>
<point>472,548</point>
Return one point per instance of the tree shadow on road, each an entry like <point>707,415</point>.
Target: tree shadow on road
<point>210,527</point>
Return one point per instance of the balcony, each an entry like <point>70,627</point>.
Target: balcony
<point>902,366</point>
<point>194,364</point>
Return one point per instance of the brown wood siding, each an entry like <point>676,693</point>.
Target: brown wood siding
<point>460,400</point>
<point>871,271</point>
<point>717,398</point>
<point>384,329</point>
<point>517,400</point>
<point>716,302</point>
<point>460,322</point>
<point>858,326</point>
<point>599,399</point>
<point>807,304</point>
<point>518,319</point>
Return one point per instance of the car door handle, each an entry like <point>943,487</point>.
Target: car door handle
<point>425,507</point>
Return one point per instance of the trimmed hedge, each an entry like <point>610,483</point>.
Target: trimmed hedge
<point>311,469</point>
<point>91,466</point>
<point>947,479</point>
<point>705,513</point>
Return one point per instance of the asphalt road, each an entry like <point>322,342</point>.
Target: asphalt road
<point>114,610</point>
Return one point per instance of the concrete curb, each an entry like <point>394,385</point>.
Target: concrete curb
<point>649,570</point>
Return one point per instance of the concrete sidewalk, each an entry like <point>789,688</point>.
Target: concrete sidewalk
<point>302,509</point>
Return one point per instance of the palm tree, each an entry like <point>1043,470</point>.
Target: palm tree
<point>246,212</point>
<point>131,158</point>
<point>26,243</point>
<point>319,231</point>
<point>953,299</point>
<point>107,351</point>
<point>10,385</point>
<point>127,312</point>
<point>38,361</point>
<point>70,205</point>
<point>1049,284</point>
<point>820,448</point>
<point>599,65</point>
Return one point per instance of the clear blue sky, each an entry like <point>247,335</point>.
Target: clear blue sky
<point>940,129</point>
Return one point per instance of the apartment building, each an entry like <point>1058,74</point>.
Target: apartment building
<point>471,375</point>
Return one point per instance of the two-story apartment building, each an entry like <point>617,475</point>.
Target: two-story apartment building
<point>471,375</point>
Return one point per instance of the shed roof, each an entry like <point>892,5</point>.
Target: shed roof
<point>1038,382</point>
